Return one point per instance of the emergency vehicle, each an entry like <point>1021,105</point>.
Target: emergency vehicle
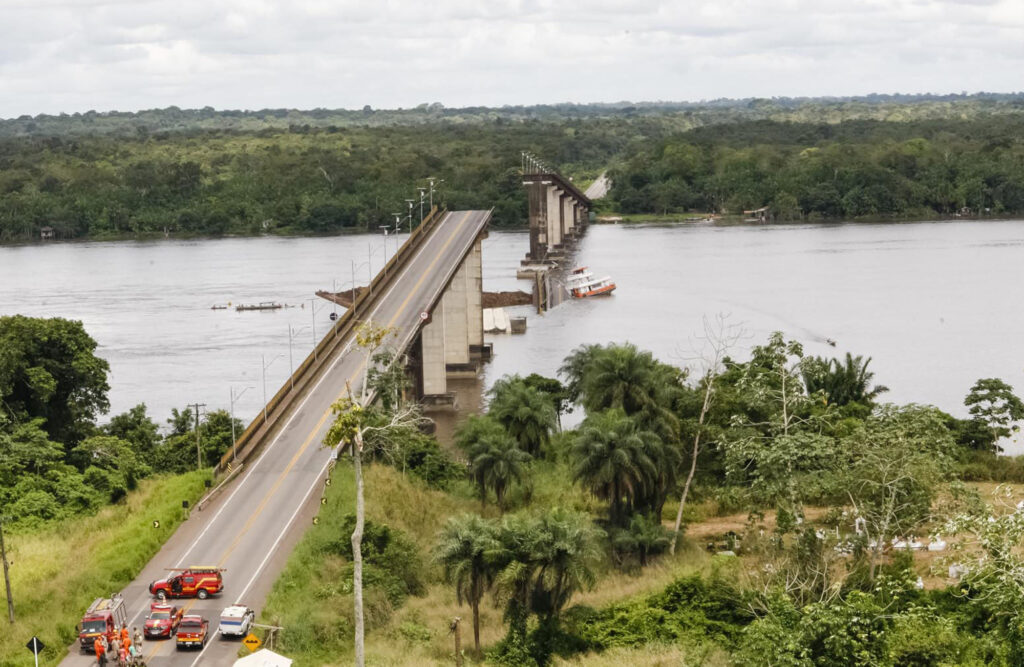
<point>163,620</point>
<point>192,631</point>
<point>236,621</point>
<point>102,616</point>
<point>197,581</point>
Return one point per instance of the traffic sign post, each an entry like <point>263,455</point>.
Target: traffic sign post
<point>252,642</point>
<point>35,646</point>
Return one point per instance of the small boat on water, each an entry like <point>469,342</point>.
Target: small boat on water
<point>262,305</point>
<point>583,284</point>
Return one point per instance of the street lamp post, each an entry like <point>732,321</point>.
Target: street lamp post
<point>235,397</point>
<point>291,365</point>
<point>423,198</point>
<point>410,202</point>
<point>385,228</point>
<point>266,365</point>
<point>312,311</point>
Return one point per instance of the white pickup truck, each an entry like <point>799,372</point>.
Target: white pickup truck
<point>236,621</point>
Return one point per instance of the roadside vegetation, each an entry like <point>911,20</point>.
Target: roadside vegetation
<point>799,495</point>
<point>59,568</point>
<point>77,498</point>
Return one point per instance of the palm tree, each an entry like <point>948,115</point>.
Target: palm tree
<point>465,549</point>
<point>611,455</point>
<point>645,536</point>
<point>574,369</point>
<point>841,382</point>
<point>496,462</point>
<point>619,376</point>
<point>565,548</point>
<point>527,414</point>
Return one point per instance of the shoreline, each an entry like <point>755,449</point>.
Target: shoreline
<point>617,219</point>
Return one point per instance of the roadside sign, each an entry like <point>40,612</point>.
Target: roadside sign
<point>327,481</point>
<point>333,316</point>
<point>252,642</point>
<point>316,520</point>
<point>35,646</point>
<point>156,524</point>
<point>424,316</point>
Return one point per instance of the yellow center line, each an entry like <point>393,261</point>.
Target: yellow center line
<point>316,429</point>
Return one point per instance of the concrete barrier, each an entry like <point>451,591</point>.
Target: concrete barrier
<point>308,371</point>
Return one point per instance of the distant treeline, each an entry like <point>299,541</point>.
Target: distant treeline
<point>280,181</point>
<point>207,172</point>
<point>817,170</point>
<point>682,114</point>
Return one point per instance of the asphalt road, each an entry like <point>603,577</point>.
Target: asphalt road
<point>255,522</point>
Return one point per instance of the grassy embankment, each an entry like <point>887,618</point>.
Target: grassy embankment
<point>58,570</point>
<point>312,597</point>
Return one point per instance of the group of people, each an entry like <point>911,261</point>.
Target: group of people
<point>120,650</point>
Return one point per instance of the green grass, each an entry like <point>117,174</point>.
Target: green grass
<point>312,597</point>
<point>59,569</point>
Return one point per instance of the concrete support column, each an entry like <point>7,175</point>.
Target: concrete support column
<point>474,296</point>
<point>435,377</point>
<point>537,196</point>
<point>567,215</point>
<point>554,210</point>
<point>454,312</point>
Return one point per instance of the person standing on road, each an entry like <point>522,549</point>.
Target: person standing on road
<point>99,648</point>
<point>137,639</point>
<point>114,648</point>
<point>124,635</point>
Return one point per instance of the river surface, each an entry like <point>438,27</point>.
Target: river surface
<point>936,305</point>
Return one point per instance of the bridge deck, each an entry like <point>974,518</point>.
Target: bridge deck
<point>251,528</point>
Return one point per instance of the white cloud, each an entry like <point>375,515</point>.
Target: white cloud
<point>91,54</point>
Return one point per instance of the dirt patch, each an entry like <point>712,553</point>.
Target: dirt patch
<point>506,299</point>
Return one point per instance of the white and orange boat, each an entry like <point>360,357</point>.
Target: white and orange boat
<point>583,284</point>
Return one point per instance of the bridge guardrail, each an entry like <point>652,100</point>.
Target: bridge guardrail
<point>311,366</point>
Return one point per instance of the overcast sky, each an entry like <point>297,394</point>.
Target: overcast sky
<point>76,55</point>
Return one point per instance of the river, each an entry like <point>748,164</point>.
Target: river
<point>936,305</point>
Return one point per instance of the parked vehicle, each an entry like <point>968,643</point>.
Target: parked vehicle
<point>236,621</point>
<point>193,631</point>
<point>102,616</point>
<point>162,621</point>
<point>196,581</point>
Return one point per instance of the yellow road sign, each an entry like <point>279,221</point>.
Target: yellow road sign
<point>252,642</point>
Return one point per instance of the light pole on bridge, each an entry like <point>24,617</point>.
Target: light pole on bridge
<point>234,397</point>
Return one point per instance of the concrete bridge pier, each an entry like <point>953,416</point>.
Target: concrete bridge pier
<point>557,212</point>
<point>452,340</point>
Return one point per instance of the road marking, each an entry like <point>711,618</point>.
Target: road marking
<point>276,439</point>
<point>309,439</point>
<point>316,480</point>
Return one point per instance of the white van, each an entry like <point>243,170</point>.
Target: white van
<point>236,621</point>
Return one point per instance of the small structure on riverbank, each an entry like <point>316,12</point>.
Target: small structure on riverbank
<point>46,233</point>
<point>757,215</point>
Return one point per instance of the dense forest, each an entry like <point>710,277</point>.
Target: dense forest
<point>847,170</point>
<point>207,172</point>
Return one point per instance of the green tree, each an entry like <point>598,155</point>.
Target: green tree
<point>49,370</point>
<point>496,462</point>
<point>135,427</point>
<point>465,550</point>
<point>611,456</point>
<point>991,402</point>
<point>895,463</point>
<point>526,413</point>
<point>841,382</point>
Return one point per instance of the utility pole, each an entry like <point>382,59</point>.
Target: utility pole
<point>454,627</point>
<point>7,576</point>
<point>199,451</point>
<point>423,198</point>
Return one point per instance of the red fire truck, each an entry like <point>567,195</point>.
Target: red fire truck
<point>102,616</point>
<point>198,581</point>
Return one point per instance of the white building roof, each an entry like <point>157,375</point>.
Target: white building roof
<point>263,658</point>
